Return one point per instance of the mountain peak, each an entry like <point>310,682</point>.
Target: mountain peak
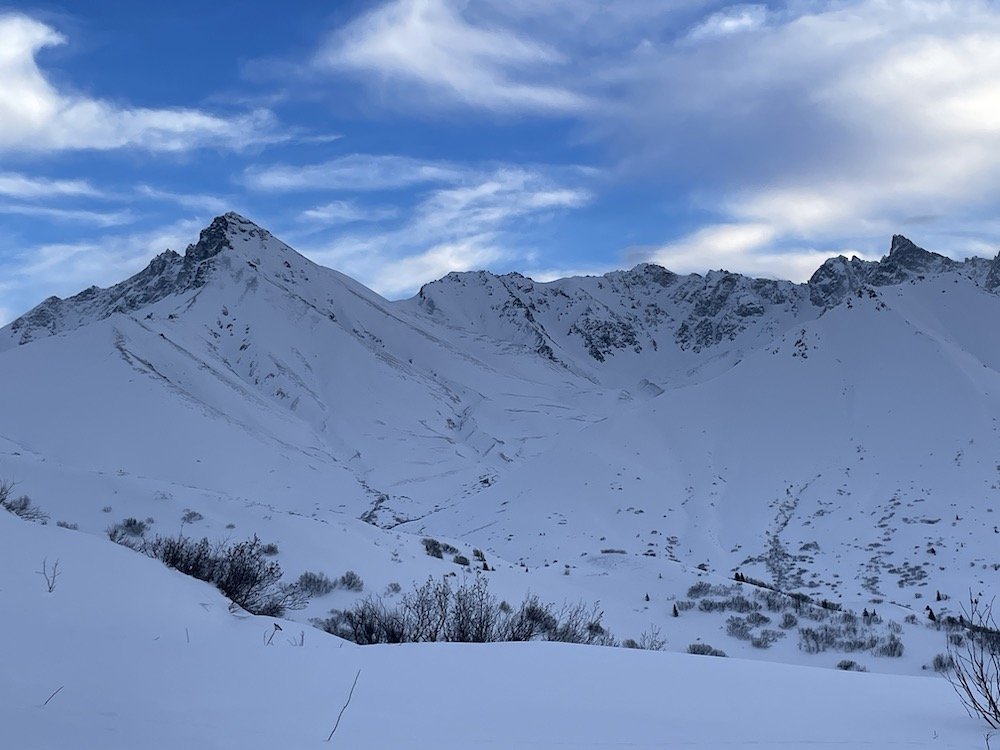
<point>902,245</point>
<point>221,234</point>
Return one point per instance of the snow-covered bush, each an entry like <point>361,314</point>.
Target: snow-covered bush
<point>703,649</point>
<point>316,584</point>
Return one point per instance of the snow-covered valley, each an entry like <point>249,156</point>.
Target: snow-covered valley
<point>635,440</point>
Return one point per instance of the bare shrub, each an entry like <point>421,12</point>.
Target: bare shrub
<point>975,673</point>
<point>240,571</point>
<point>50,575</point>
<point>788,621</point>
<point>766,638</point>
<point>891,646</point>
<point>469,613</point>
<point>942,663</point>
<point>738,627</point>
<point>21,506</point>
<point>432,547</point>
<point>849,665</point>
<point>316,584</point>
<point>351,581</point>
<point>703,649</point>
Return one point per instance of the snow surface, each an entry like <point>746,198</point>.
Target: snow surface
<point>610,439</point>
<point>142,656</point>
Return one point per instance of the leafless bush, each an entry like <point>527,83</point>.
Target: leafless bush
<point>942,663</point>
<point>130,527</point>
<point>849,665</point>
<point>351,581</point>
<point>316,584</point>
<point>703,649</point>
<point>738,627</point>
<point>975,673</point>
<point>21,506</point>
<point>469,613</point>
<point>50,576</point>
<point>649,640</point>
<point>240,571</point>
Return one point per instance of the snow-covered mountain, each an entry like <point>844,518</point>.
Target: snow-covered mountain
<point>615,437</point>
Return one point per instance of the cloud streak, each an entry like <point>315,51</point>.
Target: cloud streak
<point>25,187</point>
<point>353,172</point>
<point>37,117</point>
<point>432,44</point>
<point>830,124</point>
<point>485,220</point>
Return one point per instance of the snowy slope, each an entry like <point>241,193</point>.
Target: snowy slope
<point>603,438</point>
<point>125,653</point>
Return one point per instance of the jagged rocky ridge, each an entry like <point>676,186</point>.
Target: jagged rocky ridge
<point>168,273</point>
<point>634,311</point>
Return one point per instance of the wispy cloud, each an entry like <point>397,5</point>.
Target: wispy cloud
<point>26,187</point>
<point>198,201</point>
<point>454,228</point>
<point>351,173</point>
<point>831,124</point>
<point>733,20</point>
<point>38,117</point>
<point>433,44</point>
<point>64,268</point>
<point>743,248</point>
<point>76,215</point>
<point>346,212</point>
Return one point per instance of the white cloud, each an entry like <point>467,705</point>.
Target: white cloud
<point>732,20</point>
<point>83,216</point>
<point>66,268</point>
<point>544,275</point>
<point>197,201</point>
<point>346,212</point>
<point>432,43</point>
<point>24,187</point>
<point>456,228</point>
<point>397,277</point>
<point>352,172</point>
<point>742,248</point>
<point>833,125</point>
<point>38,117</point>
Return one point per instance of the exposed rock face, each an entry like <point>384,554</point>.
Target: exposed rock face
<point>622,313</point>
<point>167,274</point>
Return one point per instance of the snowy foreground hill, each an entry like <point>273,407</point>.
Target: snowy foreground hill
<point>635,440</point>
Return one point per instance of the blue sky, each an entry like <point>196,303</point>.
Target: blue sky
<point>399,140</point>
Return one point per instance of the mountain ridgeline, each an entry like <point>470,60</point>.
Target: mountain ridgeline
<point>636,310</point>
<point>720,421</point>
